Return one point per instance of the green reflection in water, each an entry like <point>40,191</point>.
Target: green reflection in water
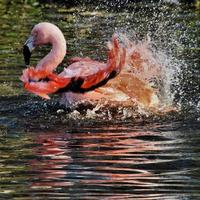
<point>15,24</point>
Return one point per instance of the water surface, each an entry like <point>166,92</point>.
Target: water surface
<point>47,153</point>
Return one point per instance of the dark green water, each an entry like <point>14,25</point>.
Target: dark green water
<point>48,154</point>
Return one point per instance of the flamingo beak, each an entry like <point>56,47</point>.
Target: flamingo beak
<point>27,50</point>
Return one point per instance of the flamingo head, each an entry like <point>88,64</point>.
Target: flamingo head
<point>42,33</point>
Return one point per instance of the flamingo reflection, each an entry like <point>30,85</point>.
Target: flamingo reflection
<point>94,160</point>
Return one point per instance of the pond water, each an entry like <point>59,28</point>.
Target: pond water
<point>48,152</point>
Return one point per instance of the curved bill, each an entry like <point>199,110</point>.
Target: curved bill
<point>27,49</point>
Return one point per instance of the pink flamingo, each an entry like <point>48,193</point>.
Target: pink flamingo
<point>132,66</point>
<point>84,74</point>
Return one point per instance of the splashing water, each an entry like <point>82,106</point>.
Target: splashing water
<point>143,85</point>
<point>159,36</point>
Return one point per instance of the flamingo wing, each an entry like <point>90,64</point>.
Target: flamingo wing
<point>86,76</point>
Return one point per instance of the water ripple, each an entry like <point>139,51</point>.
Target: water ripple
<point>99,164</point>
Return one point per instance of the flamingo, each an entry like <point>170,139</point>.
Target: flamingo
<point>111,80</point>
<point>83,75</point>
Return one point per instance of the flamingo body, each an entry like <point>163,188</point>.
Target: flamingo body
<point>84,74</point>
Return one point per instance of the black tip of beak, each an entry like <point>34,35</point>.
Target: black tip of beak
<point>27,54</point>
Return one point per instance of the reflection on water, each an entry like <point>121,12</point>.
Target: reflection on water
<point>111,163</point>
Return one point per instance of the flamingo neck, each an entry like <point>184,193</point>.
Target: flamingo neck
<point>56,55</point>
